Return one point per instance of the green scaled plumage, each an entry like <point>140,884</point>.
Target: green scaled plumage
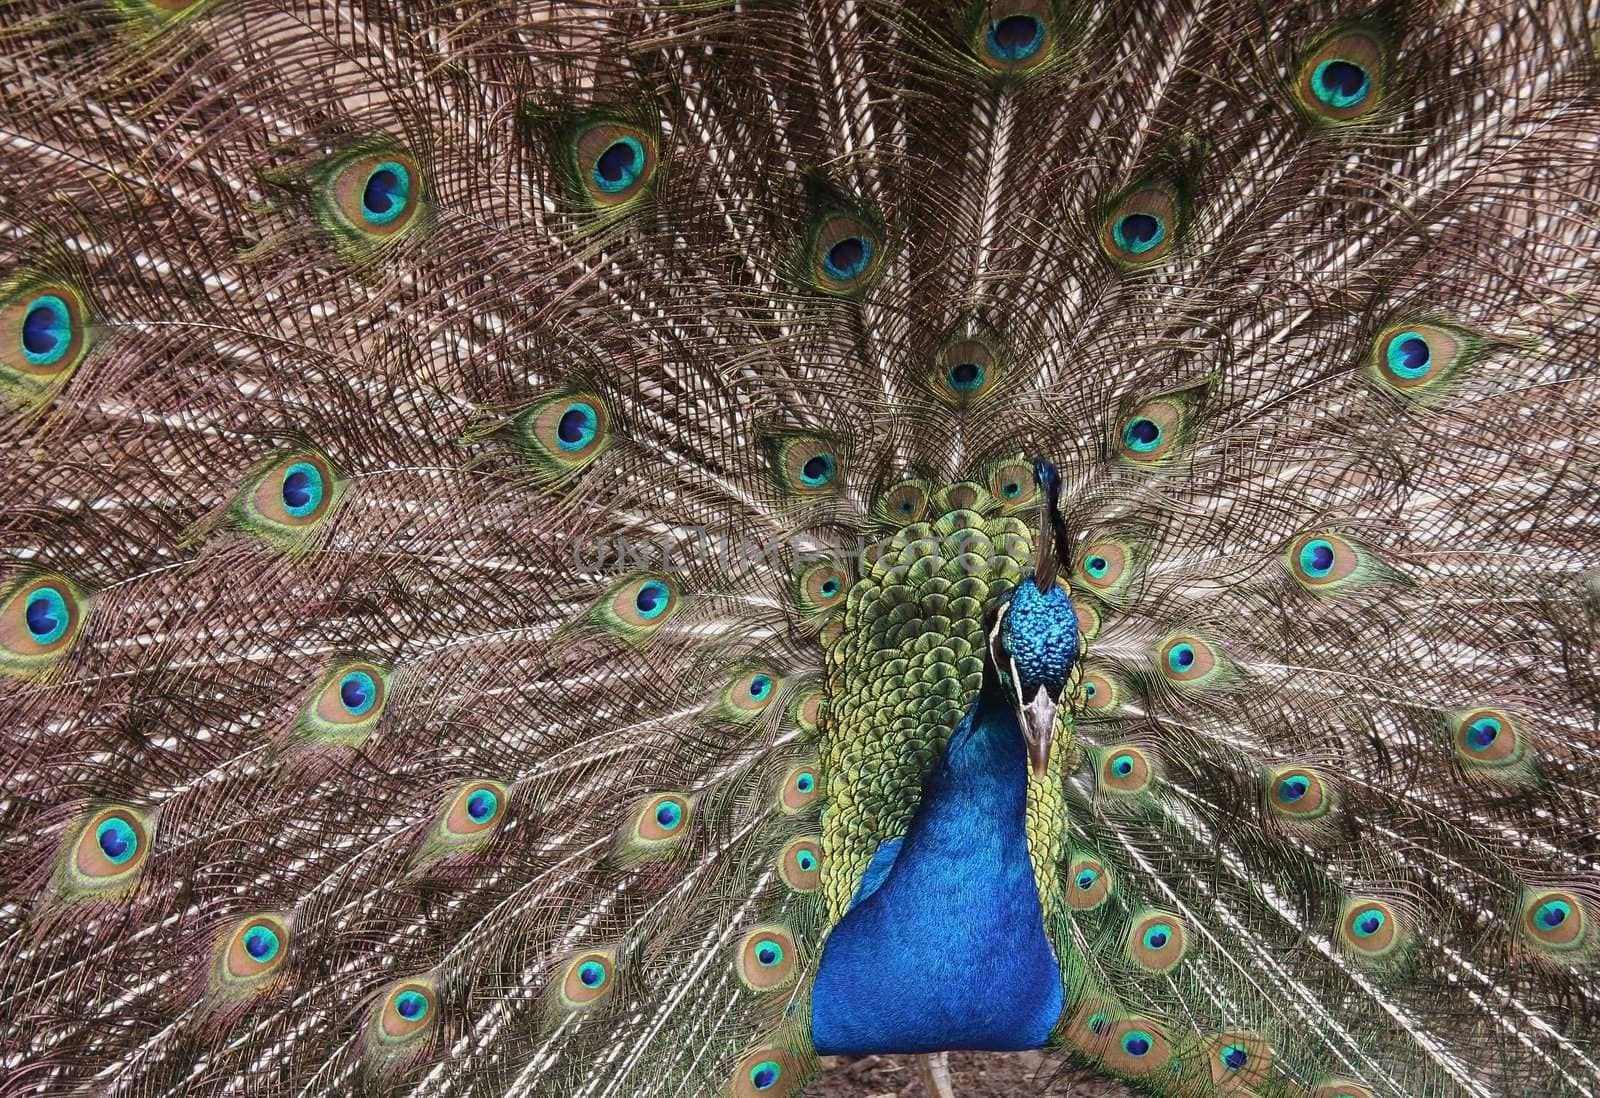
<point>505,504</point>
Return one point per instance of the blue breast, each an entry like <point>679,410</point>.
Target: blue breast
<point>945,947</point>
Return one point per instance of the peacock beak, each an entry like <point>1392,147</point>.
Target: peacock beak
<point>1037,715</point>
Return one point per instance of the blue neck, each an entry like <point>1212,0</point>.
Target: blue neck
<point>945,947</point>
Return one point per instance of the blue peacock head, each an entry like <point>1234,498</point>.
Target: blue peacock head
<point>1033,644</point>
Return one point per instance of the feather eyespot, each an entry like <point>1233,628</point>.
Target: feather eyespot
<point>474,808</point>
<point>1556,920</point>
<point>1151,432</point>
<point>113,845</point>
<point>846,254</point>
<point>1343,79</point>
<point>822,587</point>
<point>800,864</point>
<point>588,978</point>
<point>1126,770</point>
<point>374,197</point>
<point>751,692</point>
<point>39,620</point>
<point>1136,1047</point>
<point>408,1009</point>
<point>1141,228</point>
<point>637,607</point>
<point>1237,1060</point>
<point>1370,929</point>
<point>1011,482</point>
<point>1101,693</point>
<point>1157,941</point>
<point>44,326</point>
<point>807,467</point>
<point>662,819</point>
<point>1189,662</point>
<point>1089,620</point>
<point>616,163</point>
<point>1417,359</point>
<point>347,705</point>
<point>1489,739</point>
<point>564,433</point>
<point>1015,36</point>
<point>1298,793</point>
<point>287,498</point>
<point>1088,883</point>
<point>1342,1088</point>
<point>766,1072</point>
<point>904,503</point>
<point>799,789</point>
<point>807,711</point>
<point>767,958</point>
<point>256,948</point>
<point>1090,1029</point>
<point>965,371</point>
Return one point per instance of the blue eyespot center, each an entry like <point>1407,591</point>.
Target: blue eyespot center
<point>847,258</point>
<point>830,588</point>
<point>668,815</point>
<point>619,166</point>
<point>1340,84</point>
<point>1090,690</point>
<point>1015,38</point>
<point>46,331</point>
<point>1137,233</point>
<point>760,687</point>
<point>1097,566</point>
<point>1291,789</point>
<point>358,693</point>
<point>1368,923</point>
<point>117,840</point>
<point>411,1005</point>
<point>1482,733</point>
<point>1156,937</point>
<point>805,782</point>
<point>1552,913</point>
<point>578,426</point>
<point>652,599</point>
<point>769,953</point>
<point>1235,1057</point>
<point>1136,1042</point>
<point>591,974</point>
<point>302,489</point>
<point>261,943</point>
<point>1142,435</point>
<point>1408,355</point>
<point>1097,1023</point>
<point>965,376</point>
<point>1316,558</point>
<point>817,470</point>
<point>47,615</point>
<point>806,860</point>
<point>1011,489</point>
<point>386,194</point>
<point>1122,765</point>
<point>482,805</point>
<point>1085,879</point>
<point>1181,657</point>
<point>765,1074</point>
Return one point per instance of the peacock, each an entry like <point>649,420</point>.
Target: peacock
<point>622,548</point>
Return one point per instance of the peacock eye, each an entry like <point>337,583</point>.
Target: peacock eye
<point>807,467</point>
<point>347,707</point>
<point>616,162</point>
<point>1340,84</point>
<point>766,958</point>
<point>375,196</point>
<point>47,331</point>
<point>577,426</point>
<point>44,326</point>
<point>1141,226</point>
<point>765,1075</point>
<point>846,254</point>
<point>1342,80</point>
<point>800,864</point>
<point>1013,36</point>
<point>1136,1042</point>
<point>1415,359</point>
<point>587,979</point>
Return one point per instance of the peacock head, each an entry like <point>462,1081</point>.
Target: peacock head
<point>1033,643</point>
